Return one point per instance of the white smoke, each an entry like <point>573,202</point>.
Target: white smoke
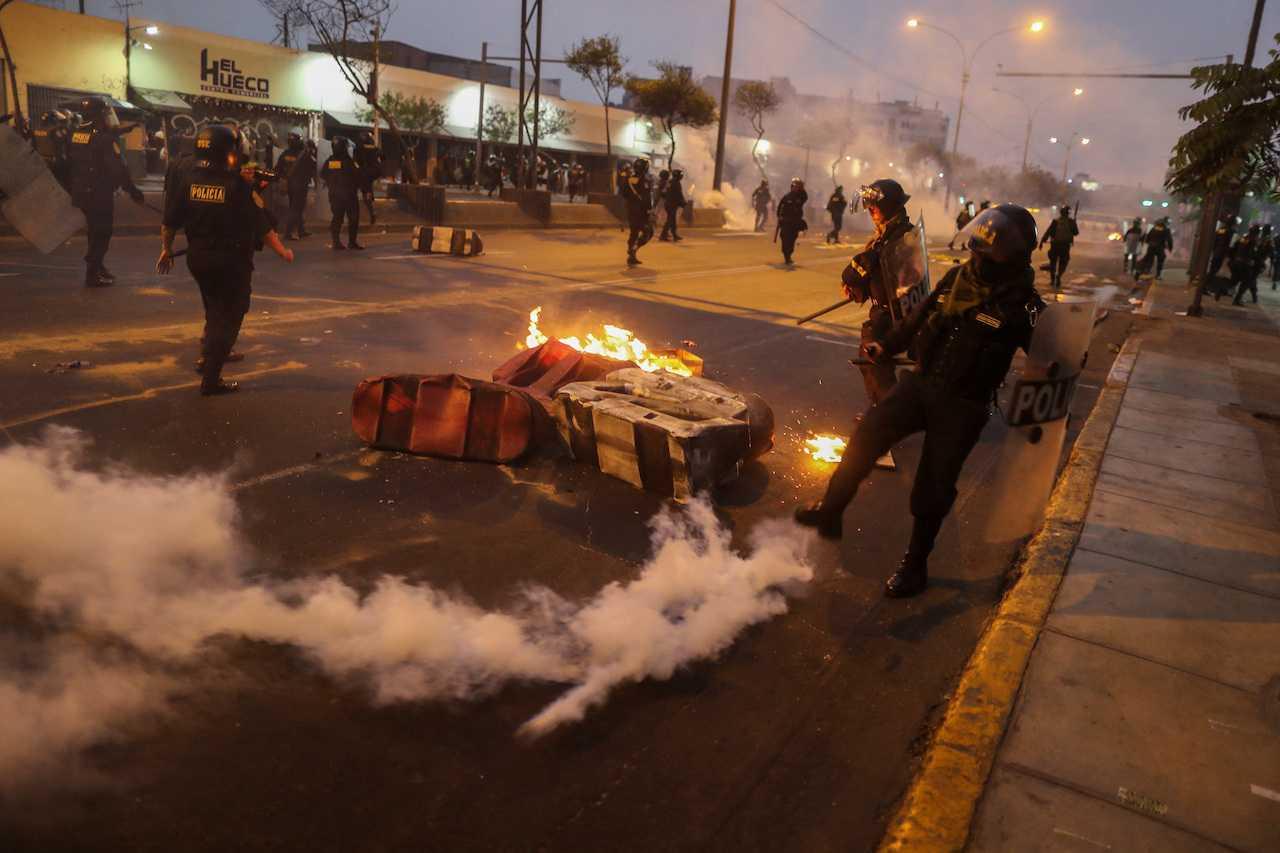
<point>696,155</point>
<point>135,572</point>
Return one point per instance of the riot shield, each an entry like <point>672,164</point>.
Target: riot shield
<point>1036,413</point>
<point>35,203</point>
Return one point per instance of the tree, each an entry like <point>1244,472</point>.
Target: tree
<point>552,121</point>
<point>413,113</point>
<point>289,18</point>
<point>1233,146</point>
<point>341,26</point>
<point>754,100</point>
<point>499,123</point>
<point>673,99</point>
<point>599,61</point>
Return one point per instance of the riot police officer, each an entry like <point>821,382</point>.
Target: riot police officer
<point>342,176</point>
<point>887,268</point>
<point>760,199</point>
<point>225,221</point>
<point>964,336</point>
<point>297,168</point>
<point>836,206</point>
<point>97,170</point>
<point>1060,234</point>
<point>369,161</point>
<point>52,140</point>
<point>1243,263</point>
<point>637,192</point>
<point>790,213</point>
<point>673,201</point>
<point>1159,242</point>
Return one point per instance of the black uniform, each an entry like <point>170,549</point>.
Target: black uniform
<point>52,142</point>
<point>791,222</point>
<point>674,201</point>
<point>297,168</point>
<point>342,177</point>
<point>1243,262</point>
<point>225,222</point>
<point>890,260</point>
<point>1221,248</point>
<point>96,172</point>
<point>369,162</point>
<point>637,192</point>
<point>836,206</point>
<point>1159,242</point>
<point>1060,235</point>
<point>760,201</point>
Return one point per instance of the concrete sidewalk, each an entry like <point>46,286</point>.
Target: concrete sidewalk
<point>1149,715</point>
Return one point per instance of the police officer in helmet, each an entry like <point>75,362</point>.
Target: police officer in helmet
<point>964,336</point>
<point>637,192</point>
<point>225,221</point>
<point>52,140</point>
<point>297,167</point>
<point>369,162</point>
<point>884,272</point>
<point>342,176</point>
<point>790,213</point>
<point>96,171</point>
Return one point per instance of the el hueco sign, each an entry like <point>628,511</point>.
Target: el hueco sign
<point>223,77</point>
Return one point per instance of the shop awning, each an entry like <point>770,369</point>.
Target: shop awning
<point>161,101</point>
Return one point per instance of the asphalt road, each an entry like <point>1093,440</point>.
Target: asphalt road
<point>801,737</point>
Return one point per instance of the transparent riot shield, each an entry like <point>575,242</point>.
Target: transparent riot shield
<point>34,202</point>
<point>1036,413</point>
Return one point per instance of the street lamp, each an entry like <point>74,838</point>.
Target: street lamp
<point>1032,112</point>
<point>129,42</point>
<point>967,58</point>
<point>1069,143</point>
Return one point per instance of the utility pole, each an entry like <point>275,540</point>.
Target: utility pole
<point>1211,207</point>
<point>724,98</point>
<point>373,83</point>
<point>484,73</point>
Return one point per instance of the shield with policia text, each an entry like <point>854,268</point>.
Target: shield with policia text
<point>35,204</point>
<point>1036,413</point>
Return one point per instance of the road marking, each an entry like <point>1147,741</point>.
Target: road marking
<point>9,274</point>
<point>833,343</point>
<point>141,395</point>
<point>433,255</point>
<point>36,266</point>
<point>1060,831</point>
<point>294,470</point>
<point>1265,793</point>
<point>1218,724</point>
<point>739,234</point>
<point>686,275</point>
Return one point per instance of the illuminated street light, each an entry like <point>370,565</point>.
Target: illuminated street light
<point>1084,141</point>
<point>152,30</point>
<point>966,57</point>
<point>1077,92</point>
<point>1069,143</point>
<point>1053,139</point>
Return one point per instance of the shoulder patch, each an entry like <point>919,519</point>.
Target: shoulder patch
<point>335,164</point>
<point>81,137</point>
<point>209,193</point>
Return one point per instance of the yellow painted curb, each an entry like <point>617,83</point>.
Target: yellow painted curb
<point>939,806</point>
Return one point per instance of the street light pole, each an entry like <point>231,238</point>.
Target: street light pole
<point>1031,117</point>
<point>966,69</point>
<point>724,98</point>
<point>484,73</point>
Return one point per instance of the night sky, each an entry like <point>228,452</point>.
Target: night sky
<point>1132,123</point>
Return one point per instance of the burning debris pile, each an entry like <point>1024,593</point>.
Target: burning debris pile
<point>823,447</point>
<point>125,610</point>
<point>643,415</point>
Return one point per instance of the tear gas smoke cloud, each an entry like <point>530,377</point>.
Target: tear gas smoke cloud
<point>128,574</point>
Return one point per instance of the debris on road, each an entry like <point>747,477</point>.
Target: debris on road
<point>66,366</point>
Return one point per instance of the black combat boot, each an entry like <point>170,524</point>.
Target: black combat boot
<point>106,274</point>
<point>632,260</point>
<point>93,277</point>
<point>828,524</point>
<point>217,388</point>
<point>912,575</point>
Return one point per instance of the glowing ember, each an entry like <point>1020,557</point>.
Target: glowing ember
<point>1115,236</point>
<point>617,343</point>
<point>826,448</point>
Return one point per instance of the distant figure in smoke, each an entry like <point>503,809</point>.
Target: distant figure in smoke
<point>660,191</point>
<point>369,161</point>
<point>964,337</point>
<point>1244,264</point>
<point>836,206</point>
<point>790,214</point>
<point>760,201</point>
<point>1275,262</point>
<point>638,194</point>
<point>1132,242</point>
<point>1159,242</point>
<point>577,181</point>
<point>342,176</point>
<point>963,218</point>
<point>674,201</point>
<point>1266,250</point>
<point>1060,234</point>
<point>1222,237</point>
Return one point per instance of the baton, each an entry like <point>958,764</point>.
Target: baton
<point>816,314</point>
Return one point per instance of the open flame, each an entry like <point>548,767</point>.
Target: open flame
<point>617,343</point>
<point>826,448</point>
<point>1115,236</point>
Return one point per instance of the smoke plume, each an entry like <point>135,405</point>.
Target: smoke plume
<point>121,577</point>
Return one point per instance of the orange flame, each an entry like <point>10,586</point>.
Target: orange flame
<point>617,343</point>
<point>826,448</point>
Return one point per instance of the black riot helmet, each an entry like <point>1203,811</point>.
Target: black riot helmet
<point>797,184</point>
<point>295,141</point>
<point>840,189</point>
<point>640,166</point>
<point>366,138</point>
<point>1064,209</point>
<point>98,112</point>
<point>1005,234</point>
<point>886,194</point>
<point>986,205</point>
<point>678,174</point>
<point>340,146</point>
<point>219,145</point>
<point>665,173</point>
